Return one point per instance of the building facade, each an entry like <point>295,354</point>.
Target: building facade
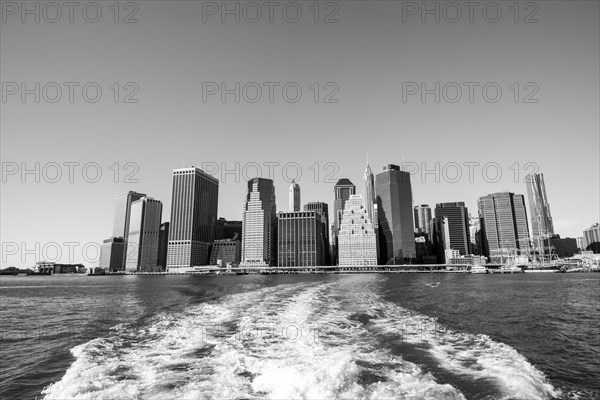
<point>294,197</point>
<point>395,213</point>
<point>226,251</point>
<point>342,191</point>
<point>453,228</point>
<point>193,218</point>
<point>300,239</point>
<point>112,252</point>
<point>163,246</point>
<point>259,225</point>
<point>143,237</point>
<point>422,218</point>
<point>322,209</point>
<point>356,237</point>
<point>122,218</point>
<point>539,210</point>
<point>591,238</point>
<point>503,220</point>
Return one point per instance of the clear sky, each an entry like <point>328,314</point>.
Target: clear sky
<point>369,61</point>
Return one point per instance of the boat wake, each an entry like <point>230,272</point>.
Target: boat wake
<point>300,341</point>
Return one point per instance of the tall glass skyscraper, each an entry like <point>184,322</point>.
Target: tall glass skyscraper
<point>259,225</point>
<point>122,218</point>
<point>294,197</point>
<point>143,238</point>
<point>395,212</point>
<point>503,223</point>
<point>193,218</point>
<point>356,237</point>
<point>539,209</point>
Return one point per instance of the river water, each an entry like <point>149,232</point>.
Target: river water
<point>372,336</point>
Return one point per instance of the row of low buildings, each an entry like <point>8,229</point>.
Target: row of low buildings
<point>381,226</point>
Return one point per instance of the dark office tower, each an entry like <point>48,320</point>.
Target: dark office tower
<point>454,233</point>
<point>395,211</point>
<point>423,219</point>
<point>219,228</point>
<point>259,225</point>
<point>300,239</point>
<point>193,218</point>
<point>111,254</point>
<point>322,209</point>
<point>503,220</point>
<point>163,245</point>
<point>144,230</point>
<point>122,217</point>
<point>232,230</point>
<point>294,197</point>
<point>539,209</point>
<point>342,190</point>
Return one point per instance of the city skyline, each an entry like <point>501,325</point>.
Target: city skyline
<point>294,187</point>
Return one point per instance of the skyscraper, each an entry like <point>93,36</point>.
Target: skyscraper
<point>342,190</point>
<point>369,193</point>
<point>323,210</point>
<point>111,254</point>
<point>422,218</point>
<point>300,239</point>
<point>122,217</point>
<point>356,237</point>
<point>395,211</point>
<point>294,197</point>
<point>503,221</point>
<point>453,228</point>
<point>370,202</point>
<point>143,238</point>
<point>193,218</point>
<point>163,245</point>
<point>539,209</point>
<point>259,225</point>
<point>475,234</point>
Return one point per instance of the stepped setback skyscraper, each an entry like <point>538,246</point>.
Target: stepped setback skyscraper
<point>539,209</point>
<point>395,212</point>
<point>259,225</point>
<point>503,223</point>
<point>356,237</point>
<point>193,218</point>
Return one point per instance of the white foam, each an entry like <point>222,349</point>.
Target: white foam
<point>297,341</point>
